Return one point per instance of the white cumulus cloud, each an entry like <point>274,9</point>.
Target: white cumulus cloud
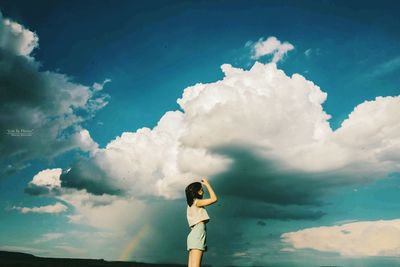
<point>48,177</point>
<point>271,46</point>
<point>15,38</point>
<point>357,239</point>
<point>85,141</point>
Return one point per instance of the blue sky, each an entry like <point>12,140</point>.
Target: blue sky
<point>98,85</point>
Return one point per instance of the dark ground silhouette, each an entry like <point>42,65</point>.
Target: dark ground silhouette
<point>16,259</point>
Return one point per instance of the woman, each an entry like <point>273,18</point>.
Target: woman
<point>197,217</point>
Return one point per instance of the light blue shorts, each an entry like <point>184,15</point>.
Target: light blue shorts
<point>197,237</point>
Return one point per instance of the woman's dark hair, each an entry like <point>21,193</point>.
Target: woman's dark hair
<point>192,192</point>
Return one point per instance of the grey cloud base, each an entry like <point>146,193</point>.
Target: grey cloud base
<point>87,175</point>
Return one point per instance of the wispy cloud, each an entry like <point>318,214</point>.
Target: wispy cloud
<point>71,250</point>
<point>312,51</point>
<point>56,208</point>
<point>48,237</point>
<point>386,67</point>
<point>100,86</point>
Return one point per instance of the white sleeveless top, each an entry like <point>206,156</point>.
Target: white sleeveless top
<point>196,214</point>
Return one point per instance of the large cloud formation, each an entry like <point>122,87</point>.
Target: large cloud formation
<point>42,110</point>
<point>261,136</point>
<point>261,110</point>
<point>260,117</point>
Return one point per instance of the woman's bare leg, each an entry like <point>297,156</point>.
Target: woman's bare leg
<point>190,258</point>
<point>195,257</point>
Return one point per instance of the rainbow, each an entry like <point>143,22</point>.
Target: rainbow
<point>133,243</point>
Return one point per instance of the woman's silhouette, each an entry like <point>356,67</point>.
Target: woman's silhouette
<point>197,217</point>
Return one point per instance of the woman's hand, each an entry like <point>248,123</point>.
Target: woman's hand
<point>205,181</point>
<point>208,201</point>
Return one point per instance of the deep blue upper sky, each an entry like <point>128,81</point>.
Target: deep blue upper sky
<point>152,50</point>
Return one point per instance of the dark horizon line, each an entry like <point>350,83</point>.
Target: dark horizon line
<point>15,258</point>
<point>11,258</point>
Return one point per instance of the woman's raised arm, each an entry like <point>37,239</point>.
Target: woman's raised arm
<point>208,201</point>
